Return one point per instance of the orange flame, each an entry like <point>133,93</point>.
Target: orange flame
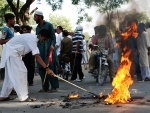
<point>72,96</point>
<point>123,80</point>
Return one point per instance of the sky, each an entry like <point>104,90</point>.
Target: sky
<point>68,10</point>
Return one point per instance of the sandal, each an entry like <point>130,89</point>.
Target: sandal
<point>52,91</point>
<point>6,99</point>
<point>29,99</point>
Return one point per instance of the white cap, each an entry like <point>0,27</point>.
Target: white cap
<point>79,28</point>
<point>38,13</point>
<point>16,25</point>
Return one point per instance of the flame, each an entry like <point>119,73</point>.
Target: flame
<point>72,96</point>
<point>123,80</point>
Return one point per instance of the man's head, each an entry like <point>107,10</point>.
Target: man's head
<point>79,28</point>
<point>26,29</point>
<point>96,29</point>
<point>10,19</point>
<point>141,28</point>
<point>38,16</point>
<point>44,34</point>
<point>59,29</point>
<point>65,33</point>
<point>17,28</point>
<point>102,30</point>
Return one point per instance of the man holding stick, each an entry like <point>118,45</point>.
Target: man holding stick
<point>15,70</point>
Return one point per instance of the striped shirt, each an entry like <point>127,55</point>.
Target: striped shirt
<point>77,37</point>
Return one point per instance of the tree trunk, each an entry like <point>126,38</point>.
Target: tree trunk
<point>109,18</point>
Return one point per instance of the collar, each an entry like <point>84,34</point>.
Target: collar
<point>43,23</point>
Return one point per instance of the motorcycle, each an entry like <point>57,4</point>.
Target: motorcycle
<point>100,72</point>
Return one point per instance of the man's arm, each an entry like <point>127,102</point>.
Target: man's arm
<point>53,37</point>
<point>41,62</point>
<point>3,41</point>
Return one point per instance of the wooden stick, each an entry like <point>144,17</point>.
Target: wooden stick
<point>75,85</point>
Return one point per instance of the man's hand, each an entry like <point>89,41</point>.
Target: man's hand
<point>50,72</point>
<point>52,48</point>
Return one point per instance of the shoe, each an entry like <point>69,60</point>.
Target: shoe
<point>141,80</point>
<point>52,91</point>
<point>91,71</point>
<point>146,79</point>
<point>29,100</point>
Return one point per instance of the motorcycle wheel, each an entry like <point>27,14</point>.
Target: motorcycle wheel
<point>103,75</point>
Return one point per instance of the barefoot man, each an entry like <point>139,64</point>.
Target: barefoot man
<point>15,70</point>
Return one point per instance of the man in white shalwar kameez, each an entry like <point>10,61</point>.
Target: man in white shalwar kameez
<point>143,47</point>
<point>15,70</point>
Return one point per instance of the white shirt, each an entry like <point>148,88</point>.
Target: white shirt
<point>19,45</point>
<point>17,33</point>
<point>84,45</point>
<point>58,42</point>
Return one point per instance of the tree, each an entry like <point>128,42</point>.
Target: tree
<point>87,36</point>
<point>58,20</point>
<point>4,8</point>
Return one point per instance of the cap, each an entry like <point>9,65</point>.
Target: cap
<point>79,28</point>
<point>16,25</point>
<point>38,13</point>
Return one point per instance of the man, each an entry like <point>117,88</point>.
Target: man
<point>143,47</point>
<point>131,43</point>
<point>77,49</point>
<point>66,49</point>
<point>58,39</point>
<point>15,70</point>
<point>66,45</point>
<point>29,59</point>
<point>105,42</point>
<point>44,49</point>
<point>8,31</point>
<point>16,29</point>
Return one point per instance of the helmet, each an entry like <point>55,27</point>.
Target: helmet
<point>79,28</point>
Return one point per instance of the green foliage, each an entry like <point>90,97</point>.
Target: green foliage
<point>58,20</point>
<point>139,16</point>
<point>55,4</point>
<point>5,8</point>
<point>86,34</point>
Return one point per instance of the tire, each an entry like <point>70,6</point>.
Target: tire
<point>103,75</point>
<point>98,69</point>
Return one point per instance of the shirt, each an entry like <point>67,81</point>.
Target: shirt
<point>66,46</point>
<point>58,42</point>
<point>7,32</point>
<point>77,37</point>
<point>48,26</point>
<point>24,43</point>
<point>19,45</point>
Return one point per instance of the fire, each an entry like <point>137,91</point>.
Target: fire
<point>72,96</point>
<point>123,80</point>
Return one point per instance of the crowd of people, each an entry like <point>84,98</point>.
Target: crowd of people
<point>22,47</point>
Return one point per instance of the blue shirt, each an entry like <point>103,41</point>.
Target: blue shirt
<point>77,37</point>
<point>7,33</point>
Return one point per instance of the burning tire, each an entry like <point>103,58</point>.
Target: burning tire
<point>102,75</point>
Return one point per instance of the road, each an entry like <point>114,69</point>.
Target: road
<point>53,102</point>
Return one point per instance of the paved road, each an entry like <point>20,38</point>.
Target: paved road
<point>53,102</point>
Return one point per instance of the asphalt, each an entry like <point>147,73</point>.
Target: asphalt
<point>53,102</point>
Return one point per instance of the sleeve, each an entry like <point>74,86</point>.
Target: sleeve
<point>147,40</point>
<point>32,43</point>
<point>4,34</point>
<point>58,40</point>
<point>62,47</point>
<point>52,33</point>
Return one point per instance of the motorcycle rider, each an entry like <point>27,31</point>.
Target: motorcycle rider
<point>103,40</point>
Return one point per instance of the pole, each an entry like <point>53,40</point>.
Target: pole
<point>76,85</point>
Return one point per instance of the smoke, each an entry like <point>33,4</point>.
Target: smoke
<point>133,6</point>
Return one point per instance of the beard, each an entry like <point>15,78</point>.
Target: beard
<point>38,21</point>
